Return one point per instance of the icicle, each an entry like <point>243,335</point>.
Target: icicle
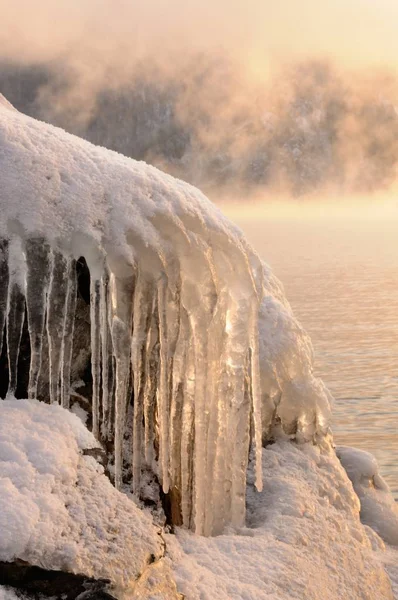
<point>163,390</point>
<point>256,392</point>
<point>220,389</point>
<point>38,275</point>
<point>200,276</point>
<point>4,281</point>
<point>215,348</point>
<point>238,410</point>
<point>240,432</point>
<point>177,395</point>
<point>141,325</point>
<point>15,308</point>
<point>151,384</point>
<point>200,340</point>
<point>106,355</point>
<point>15,319</point>
<point>187,429</point>
<point>57,296</point>
<point>69,323</point>
<point>95,327</point>
<point>123,294</point>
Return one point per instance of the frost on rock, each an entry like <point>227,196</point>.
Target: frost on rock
<point>181,384</point>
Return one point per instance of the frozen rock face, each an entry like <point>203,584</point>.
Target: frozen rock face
<point>59,511</point>
<point>180,384</point>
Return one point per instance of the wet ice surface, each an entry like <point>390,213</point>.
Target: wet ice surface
<point>341,278</point>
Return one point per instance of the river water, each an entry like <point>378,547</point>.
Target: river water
<point>340,274</point>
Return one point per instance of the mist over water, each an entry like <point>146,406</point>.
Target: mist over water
<point>295,98</point>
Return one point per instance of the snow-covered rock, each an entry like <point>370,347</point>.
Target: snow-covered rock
<point>177,301</point>
<point>378,507</point>
<point>58,509</point>
<point>303,539</point>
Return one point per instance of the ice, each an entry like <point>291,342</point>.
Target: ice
<point>151,383</point>
<point>4,279</point>
<point>95,323</point>
<point>37,282</point>
<point>57,298</point>
<point>15,309</point>
<point>70,309</point>
<point>106,355</point>
<point>123,294</point>
<point>196,358</point>
<point>163,393</point>
<point>141,325</point>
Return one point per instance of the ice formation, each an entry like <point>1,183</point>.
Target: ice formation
<point>177,299</point>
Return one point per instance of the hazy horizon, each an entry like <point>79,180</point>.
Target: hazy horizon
<point>292,100</point>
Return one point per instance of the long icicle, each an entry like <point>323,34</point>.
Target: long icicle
<point>68,329</point>
<point>151,384</point>
<point>121,340</point>
<point>141,325</point>
<point>57,297</point>
<point>240,430</point>
<point>177,396</point>
<point>105,352</point>
<point>187,428</point>
<point>256,392</point>
<point>37,282</point>
<point>95,328</point>
<point>163,390</point>
<point>15,308</point>
<point>15,320</point>
<point>4,279</point>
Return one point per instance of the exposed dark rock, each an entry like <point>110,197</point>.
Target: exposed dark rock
<point>98,453</point>
<point>39,583</point>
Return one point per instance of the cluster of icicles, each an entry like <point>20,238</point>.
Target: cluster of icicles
<point>174,357</point>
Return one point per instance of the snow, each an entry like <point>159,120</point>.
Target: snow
<point>58,510</point>
<point>178,299</point>
<point>303,538</point>
<point>378,507</point>
<point>8,593</point>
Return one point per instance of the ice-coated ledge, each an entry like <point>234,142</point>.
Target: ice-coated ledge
<point>178,300</point>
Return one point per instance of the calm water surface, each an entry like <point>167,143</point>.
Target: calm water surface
<point>341,278</point>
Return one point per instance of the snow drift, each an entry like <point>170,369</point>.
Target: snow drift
<point>303,539</point>
<point>181,385</point>
<point>378,507</point>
